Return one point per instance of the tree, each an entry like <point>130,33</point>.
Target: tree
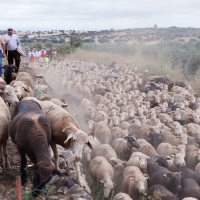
<point>25,37</point>
<point>75,41</point>
<point>155,26</point>
<point>48,44</point>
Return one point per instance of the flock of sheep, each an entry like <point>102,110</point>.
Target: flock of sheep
<point>145,129</point>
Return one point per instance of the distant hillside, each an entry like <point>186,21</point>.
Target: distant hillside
<point>146,35</point>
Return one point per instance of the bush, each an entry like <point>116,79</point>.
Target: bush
<point>75,41</point>
<point>48,44</point>
<point>62,41</point>
<point>38,45</point>
<point>193,63</point>
<point>89,40</point>
<point>103,40</point>
<point>65,49</point>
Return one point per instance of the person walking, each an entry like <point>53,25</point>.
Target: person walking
<point>11,42</point>
<point>2,53</point>
<point>32,58</point>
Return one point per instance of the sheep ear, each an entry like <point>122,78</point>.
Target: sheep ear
<point>133,178</point>
<point>168,158</point>
<point>146,176</point>
<point>64,105</point>
<point>102,181</point>
<point>126,137</point>
<point>113,160</point>
<point>181,173</point>
<point>169,175</point>
<point>26,88</point>
<point>91,133</point>
<point>55,171</point>
<point>195,155</point>
<point>68,138</point>
<point>89,145</point>
<point>124,163</point>
<point>5,91</point>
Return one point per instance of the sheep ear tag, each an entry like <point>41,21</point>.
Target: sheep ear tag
<point>31,167</point>
<point>165,175</point>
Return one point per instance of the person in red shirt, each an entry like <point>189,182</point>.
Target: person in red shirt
<point>32,58</point>
<point>42,54</point>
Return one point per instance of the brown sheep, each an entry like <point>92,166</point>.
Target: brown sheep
<point>65,132</point>
<point>30,130</point>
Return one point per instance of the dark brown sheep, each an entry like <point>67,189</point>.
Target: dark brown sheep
<point>190,188</point>
<point>30,130</point>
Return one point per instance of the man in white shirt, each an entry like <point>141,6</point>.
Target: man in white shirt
<point>2,53</point>
<point>11,42</point>
<point>37,54</point>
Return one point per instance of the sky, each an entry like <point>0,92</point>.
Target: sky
<point>97,14</point>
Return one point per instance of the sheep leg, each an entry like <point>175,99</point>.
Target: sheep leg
<point>79,178</point>
<point>55,152</point>
<point>5,154</point>
<point>23,169</point>
<point>2,158</point>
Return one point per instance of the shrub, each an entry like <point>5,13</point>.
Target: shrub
<point>48,44</point>
<point>38,45</point>
<point>103,40</point>
<point>65,49</point>
<point>75,41</point>
<point>89,40</point>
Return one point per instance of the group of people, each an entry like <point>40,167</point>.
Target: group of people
<point>42,55</point>
<point>8,48</point>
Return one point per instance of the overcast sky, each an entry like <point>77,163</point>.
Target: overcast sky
<point>98,14</point>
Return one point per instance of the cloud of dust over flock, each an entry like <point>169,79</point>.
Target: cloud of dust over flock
<point>54,79</point>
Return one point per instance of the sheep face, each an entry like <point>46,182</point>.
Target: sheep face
<point>77,142</point>
<point>42,174</point>
<point>8,95</point>
<point>108,187</point>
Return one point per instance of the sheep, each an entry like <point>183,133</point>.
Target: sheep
<point>7,93</point>
<point>109,153</point>
<point>21,89</point>
<point>135,182</point>
<point>122,196</point>
<point>25,78</point>
<point>123,146</point>
<point>139,160</point>
<point>8,75</point>
<point>103,133</point>
<point>146,148</point>
<point>166,149</point>
<point>5,120</point>
<point>192,157</point>
<point>30,130</point>
<point>65,132</point>
<point>102,171</point>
